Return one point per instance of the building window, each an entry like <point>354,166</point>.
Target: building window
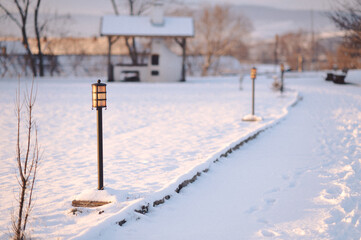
<point>155,73</point>
<point>155,59</point>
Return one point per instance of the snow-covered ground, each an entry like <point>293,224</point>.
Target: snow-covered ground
<point>298,180</point>
<point>155,137</point>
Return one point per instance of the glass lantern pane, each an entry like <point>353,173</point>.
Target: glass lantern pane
<point>94,96</point>
<point>101,88</point>
<point>94,88</point>
<point>102,103</point>
<point>102,96</point>
<point>95,103</point>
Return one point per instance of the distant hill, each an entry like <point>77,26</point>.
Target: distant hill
<point>270,21</point>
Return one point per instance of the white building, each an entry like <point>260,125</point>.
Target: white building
<point>12,48</point>
<point>163,65</point>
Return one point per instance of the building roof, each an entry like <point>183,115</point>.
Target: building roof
<point>141,26</point>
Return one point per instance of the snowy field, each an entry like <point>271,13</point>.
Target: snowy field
<point>155,137</point>
<point>299,179</point>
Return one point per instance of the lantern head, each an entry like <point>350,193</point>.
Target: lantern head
<point>282,67</point>
<point>99,93</point>
<point>253,73</point>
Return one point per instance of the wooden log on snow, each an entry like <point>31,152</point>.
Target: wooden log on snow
<point>87,203</point>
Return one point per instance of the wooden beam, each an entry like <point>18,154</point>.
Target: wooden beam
<point>87,203</point>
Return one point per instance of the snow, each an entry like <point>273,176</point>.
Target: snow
<point>155,135</point>
<point>297,179</point>
<point>251,118</point>
<point>95,195</point>
<point>142,26</point>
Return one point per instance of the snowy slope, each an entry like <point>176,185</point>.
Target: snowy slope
<point>155,137</point>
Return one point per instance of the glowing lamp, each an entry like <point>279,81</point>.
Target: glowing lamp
<point>99,93</point>
<point>253,73</point>
<point>99,100</point>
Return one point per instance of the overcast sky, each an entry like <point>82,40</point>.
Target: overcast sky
<point>287,4</point>
<point>99,7</point>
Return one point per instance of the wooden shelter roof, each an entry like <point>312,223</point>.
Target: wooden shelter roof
<point>142,26</point>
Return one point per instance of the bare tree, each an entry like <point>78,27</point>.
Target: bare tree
<point>293,46</point>
<point>347,17</point>
<point>219,31</point>
<point>37,32</point>
<point>136,7</point>
<point>18,12</point>
<point>347,58</point>
<point>27,162</point>
<point>23,10</point>
<point>275,51</point>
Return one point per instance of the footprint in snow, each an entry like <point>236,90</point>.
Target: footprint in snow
<point>336,217</point>
<point>270,201</point>
<point>261,220</point>
<point>274,190</point>
<point>268,233</point>
<point>285,177</point>
<point>252,210</point>
<point>292,184</point>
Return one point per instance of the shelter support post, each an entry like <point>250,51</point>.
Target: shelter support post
<point>110,65</point>
<point>184,47</point>
<point>183,44</point>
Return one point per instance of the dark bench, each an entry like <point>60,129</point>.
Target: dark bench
<point>339,78</point>
<point>329,77</point>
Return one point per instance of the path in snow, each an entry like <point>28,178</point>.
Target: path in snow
<point>298,180</point>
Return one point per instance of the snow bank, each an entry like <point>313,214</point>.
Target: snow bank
<point>353,76</point>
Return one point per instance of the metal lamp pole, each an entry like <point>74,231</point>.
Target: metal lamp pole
<point>99,102</point>
<point>100,148</point>
<point>282,75</point>
<point>253,76</point>
<point>252,117</point>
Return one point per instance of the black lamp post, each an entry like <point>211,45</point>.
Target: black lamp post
<point>99,93</point>
<point>282,74</point>
<point>252,117</point>
<point>253,76</point>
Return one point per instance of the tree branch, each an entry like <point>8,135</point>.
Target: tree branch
<point>115,8</point>
<point>10,15</point>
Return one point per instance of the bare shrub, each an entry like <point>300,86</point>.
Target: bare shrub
<point>27,160</point>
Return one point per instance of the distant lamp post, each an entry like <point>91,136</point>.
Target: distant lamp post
<point>252,117</point>
<point>282,75</point>
<point>99,93</point>
<point>300,63</point>
<point>253,77</point>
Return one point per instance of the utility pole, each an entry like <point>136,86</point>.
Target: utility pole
<point>312,43</point>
